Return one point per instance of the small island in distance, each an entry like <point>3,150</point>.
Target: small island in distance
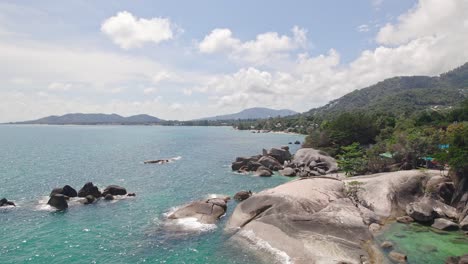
<point>144,119</point>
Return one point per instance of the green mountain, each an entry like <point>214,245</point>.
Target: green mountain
<point>403,95</point>
<point>94,119</point>
<point>253,113</point>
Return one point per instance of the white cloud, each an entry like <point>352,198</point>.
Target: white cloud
<point>429,18</point>
<point>363,28</point>
<point>128,31</point>
<point>59,86</point>
<point>265,47</point>
<point>187,92</point>
<point>149,90</point>
<point>162,76</point>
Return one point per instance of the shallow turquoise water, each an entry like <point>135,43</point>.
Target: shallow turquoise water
<point>35,159</point>
<point>423,244</point>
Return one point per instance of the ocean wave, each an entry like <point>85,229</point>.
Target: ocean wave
<point>260,244</point>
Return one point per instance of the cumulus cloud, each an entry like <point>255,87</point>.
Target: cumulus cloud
<point>262,49</point>
<point>412,46</point>
<point>429,18</point>
<point>128,31</point>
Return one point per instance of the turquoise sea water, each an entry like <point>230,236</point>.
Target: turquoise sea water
<point>35,159</point>
<point>423,244</point>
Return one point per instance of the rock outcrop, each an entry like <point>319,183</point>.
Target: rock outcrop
<point>311,220</point>
<point>66,190</point>
<point>5,202</point>
<point>114,190</point>
<point>327,220</point>
<point>242,195</point>
<point>89,189</point>
<point>444,224</point>
<point>205,211</point>
<point>58,201</point>
<point>307,162</point>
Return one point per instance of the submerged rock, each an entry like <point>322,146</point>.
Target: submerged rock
<point>131,194</point>
<point>242,195</point>
<point>89,189</point>
<point>386,244</point>
<point>205,211</point>
<point>457,260</point>
<point>398,257</point>
<point>444,224</point>
<point>58,201</point>
<point>114,190</point>
<point>108,197</point>
<point>405,219</point>
<point>90,199</point>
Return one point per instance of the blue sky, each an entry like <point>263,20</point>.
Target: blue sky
<point>189,59</point>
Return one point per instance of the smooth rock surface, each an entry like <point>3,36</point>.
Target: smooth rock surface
<point>89,189</point>
<point>58,201</point>
<point>311,220</point>
<point>205,211</point>
<point>444,224</point>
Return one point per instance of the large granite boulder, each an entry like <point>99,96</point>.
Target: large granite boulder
<point>421,211</point>
<point>388,194</point>
<point>313,158</point>
<point>464,224</point>
<point>280,154</point>
<point>310,220</point>
<point>58,201</point>
<point>242,195</point>
<point>89,189</point>
<point>288,172</point>
<point>205,211</point>
<point>444,224</point>
<point>270,162</point>
<point>114,190</point>
<point>243,161</point>
<point>263,172</point>
<point>66,190</point>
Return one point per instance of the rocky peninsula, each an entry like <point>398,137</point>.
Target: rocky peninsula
<point>324,217</point>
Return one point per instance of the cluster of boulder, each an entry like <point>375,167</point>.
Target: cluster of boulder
<point>5,202</point>
<point>59,197</point>
<point>307,162</point>
<point>435,208</point>
<point>331,220</point>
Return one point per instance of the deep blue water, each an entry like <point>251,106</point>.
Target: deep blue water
<point>35,159</point>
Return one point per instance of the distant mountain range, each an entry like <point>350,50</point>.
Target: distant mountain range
<point>94,119</point>
<point>402,95</point>
<point>253,113</point>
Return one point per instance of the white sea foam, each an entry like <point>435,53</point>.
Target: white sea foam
<point>187,224</point>
<point>263,245</point>
<point>43,206</point>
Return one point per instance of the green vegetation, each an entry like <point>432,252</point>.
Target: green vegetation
<point>352,159</point>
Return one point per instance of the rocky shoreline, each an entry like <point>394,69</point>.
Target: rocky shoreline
<point>323,218</point>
